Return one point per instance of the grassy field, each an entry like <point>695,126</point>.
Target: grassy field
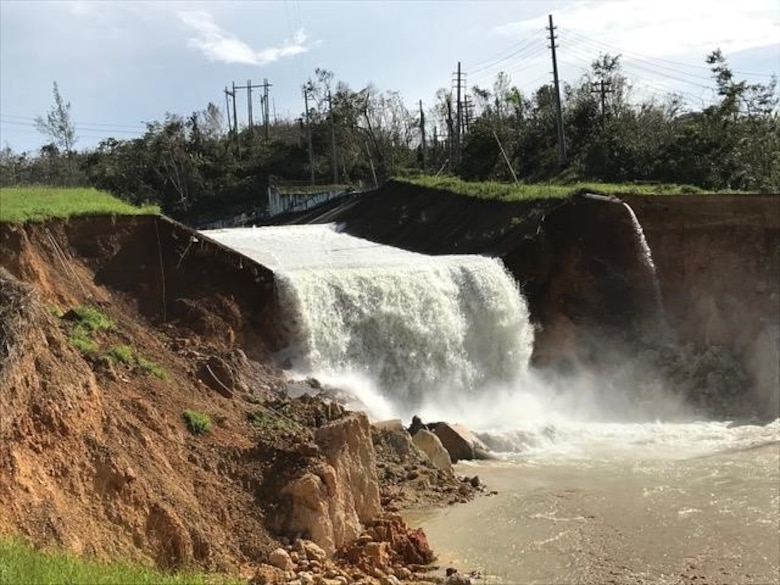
<point>21,564</point>
<point>520,191</point>
<point>18,204</point>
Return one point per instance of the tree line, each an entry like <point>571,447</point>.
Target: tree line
<point>189,164</point>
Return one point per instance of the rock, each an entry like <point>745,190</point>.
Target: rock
<point>474,481</point>
<point>378,553</point>
<point>313,552</point>
<point>403,573</point>
<point>417,425</point>
<point>280,558</point>
<point>394,424</point>
<point>460,442</point>
<point>457,579</point>
<point>450,571</point>
<point>430,444</point>
<point>268,575</point>
<point>389,580</point>
<point>330,502</point>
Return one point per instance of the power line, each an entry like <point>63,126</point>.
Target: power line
<point>108,125</point>
<point>529,47</point>
<point>652,59</point>
<point>79,128</point>
<point>517,46</point>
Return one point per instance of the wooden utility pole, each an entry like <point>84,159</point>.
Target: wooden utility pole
<point>603,87</point>
<point>458,116</point>
<point>227,109</point>
<point>235,121</point>
<point>333,153</point>
<point>248,87</point>
<point>506,158</point>
<point>561,138</point>
<point>308,133</point>
<point>266,113</point>
<point>422,135</point>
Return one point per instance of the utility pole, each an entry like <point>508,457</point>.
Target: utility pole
<point>334,155</point>
<point>468,105</point>
<point>266,113</point>
<point>458,115</point>
<point>603,87</point>
<point>232,94</point>
<point>248,87</point>
<point>422,134</point>
<point>227,109</point>
<point>561,138</point>
<point>308,132</point>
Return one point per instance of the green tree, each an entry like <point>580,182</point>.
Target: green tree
<point>58,124</point>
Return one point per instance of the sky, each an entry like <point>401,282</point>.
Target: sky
<point>122,64</point>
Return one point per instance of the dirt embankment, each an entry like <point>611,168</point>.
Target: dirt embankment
<point>579,263</point>
<point>95,453</point>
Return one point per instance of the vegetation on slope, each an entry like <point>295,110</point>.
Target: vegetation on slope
<point>521,191</point>
<point>18,204</point>
<point>20,563</point>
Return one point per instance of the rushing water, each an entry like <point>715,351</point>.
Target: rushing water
<point>602,479</point>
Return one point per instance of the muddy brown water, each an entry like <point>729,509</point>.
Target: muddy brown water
<point>706,519</point>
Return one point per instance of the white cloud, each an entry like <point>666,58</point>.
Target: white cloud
<point>219,45</point>
<point>663,27</point>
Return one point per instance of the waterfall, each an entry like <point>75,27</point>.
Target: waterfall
<point>647,260</point>
<point>409,324</point>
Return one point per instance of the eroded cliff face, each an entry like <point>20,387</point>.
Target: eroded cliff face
<point>718,261</point>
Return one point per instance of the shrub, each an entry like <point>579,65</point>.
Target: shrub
<point>197,422</point>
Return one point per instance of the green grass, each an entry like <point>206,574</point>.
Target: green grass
<point>152,368</point>
<point>20,563</point>
<point>19,204</point>
<point>122,353</point>
<point>83,322</point>
<point>270,421</point>
<point>92,319</point>
<point>128,356</point>
<point>522,191</point>
<point>197,422</point>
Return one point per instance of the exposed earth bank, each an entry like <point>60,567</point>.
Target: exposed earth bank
<point>116,336</point>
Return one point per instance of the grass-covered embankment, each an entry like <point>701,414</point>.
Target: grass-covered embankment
<point>19,563</point>
<point>19,204</point>
<point>523,191</point>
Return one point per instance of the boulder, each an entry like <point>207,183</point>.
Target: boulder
<point>430,444</point>
<point>332,500</point>
<point>394,424</point>
<point>280,559</point>
<point>460,442</point>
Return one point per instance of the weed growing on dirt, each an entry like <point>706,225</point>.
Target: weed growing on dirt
<point>197,422</point>
<point>81,338</point>
<point>92,319</point>
<point>20,563</point>
<point>269,422</point>
<point>19,204</point>
<point>122,353</point>
<point>83,322</point>
<point>152,368</point>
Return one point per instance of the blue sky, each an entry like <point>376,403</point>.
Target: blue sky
<point>123,63</point>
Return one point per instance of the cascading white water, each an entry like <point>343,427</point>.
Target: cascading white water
<point>449,338</point>
<point>647,257</point>
<point>408,324</point>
